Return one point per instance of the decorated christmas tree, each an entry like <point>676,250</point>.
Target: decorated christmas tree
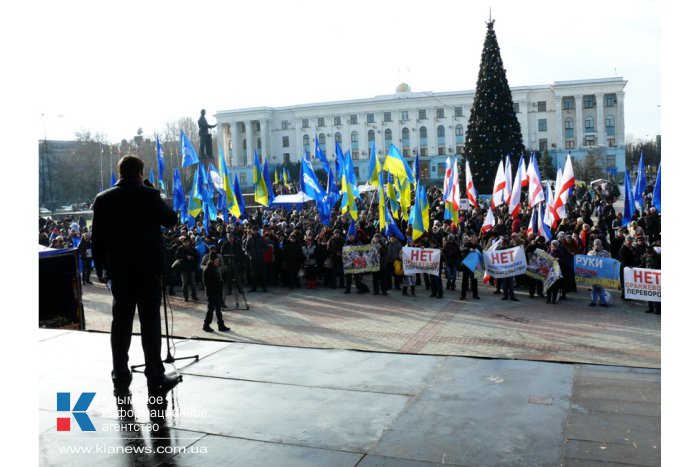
<point>493,131</point>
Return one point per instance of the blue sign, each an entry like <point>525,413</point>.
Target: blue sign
<point>596,270</point>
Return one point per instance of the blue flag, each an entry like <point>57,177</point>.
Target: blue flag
<point>474,260</point>
<point>339,162</point>
<point>321,155</point>
<point>310,185</point>
<point>114,180</point>
<point>656,198</point>
<point>641,183</point>
<point>152,178</point>
<point>351,230</point>
<point>161,164</point>
<point>179,202</point>
<point>629,201</point>
<point>268,182</point>
<point>189,155</point>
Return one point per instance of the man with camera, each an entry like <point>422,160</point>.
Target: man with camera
<point>132,262</point>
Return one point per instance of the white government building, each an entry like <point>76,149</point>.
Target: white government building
<point>567,117</point>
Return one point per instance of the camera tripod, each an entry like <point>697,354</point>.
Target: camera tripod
<point>237,287</point>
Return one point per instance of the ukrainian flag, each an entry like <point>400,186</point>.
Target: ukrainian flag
<point>261,196</point>
<point>395,164</point>
<point>350,191</point>
<point>374,168</point>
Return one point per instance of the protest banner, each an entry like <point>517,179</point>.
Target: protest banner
<point>595,270</point>
<point>418,260</point>
<point>544,267</point>
<point>642,284</point>
<point>360,258</point>
<point>505,263</point>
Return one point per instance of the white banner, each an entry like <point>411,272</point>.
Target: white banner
<point>643,284</point>
<point>418,260</point>
<point>505,263</point>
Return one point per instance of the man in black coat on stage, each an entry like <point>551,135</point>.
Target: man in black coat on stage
<point>129,257</point>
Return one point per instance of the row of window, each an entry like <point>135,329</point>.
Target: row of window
<point>588,123</point>
<point>370,117</point>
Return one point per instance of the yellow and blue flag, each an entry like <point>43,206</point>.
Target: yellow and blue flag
<point>238,207</point>
<point>374,168</point>
<point>261,195</point>
<point>349,188</point>
<point>268,182</point>
<point>161,164</point>
<point>395,164</point>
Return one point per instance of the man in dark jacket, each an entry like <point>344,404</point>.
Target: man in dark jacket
<point>131,262</point>
<point>627,260</point>
<point>188,257</point>
<point>255,246</point>
<point>214,286</point>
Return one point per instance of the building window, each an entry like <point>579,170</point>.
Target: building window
<point>306,143</point>
<point>405,139</point>
<point>257,126</point>
<point>353,119</point>
<point>424,151</point>
<point>354,142</point>
<point>322,141</point>
<point>321,121</point>
<point>588,124</point>
<point>609,121</point>
<point>355,154</point>
<point>387,116</point>
<point>387,137</point>
<point>404,115</point>
<point>441,170</point>
<point>406,152</point>
<point>542,124</point>
<point>569,144</point>
<point>543,144</point>
<point>370,118</point>
<point>242,127</point>
<point>459,130</point>
<point>370,140</point>
<point>569,124</point>
<point>568,103</point>
<point>458,112</point>
<point>286,157</point>
<point>610,100</point>
<point>305,123</point>
<point>589,141</point>
<point>516,107</point>
<point>336,120</point>
<point>422,114</point>
<point>423,133</point>
<point>285,141</point>
<point>244,177</point>
<point>440,112</point>
<point>441,131</point>
<point>260,146</point>
<point>441,150</point>
<point>611,142</point>
<point>339,138</point>
<point>285,124</point>
<point>588,102</point>
<point>541,106</point>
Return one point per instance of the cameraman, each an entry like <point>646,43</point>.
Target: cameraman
<point>232,251</point>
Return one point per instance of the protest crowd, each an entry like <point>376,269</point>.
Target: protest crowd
<point>291,248</point>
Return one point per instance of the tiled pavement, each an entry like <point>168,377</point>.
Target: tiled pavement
<point>569,331</point>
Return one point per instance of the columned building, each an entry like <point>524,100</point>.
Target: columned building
<point>567,117</point>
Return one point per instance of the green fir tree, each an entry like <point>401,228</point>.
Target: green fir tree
<point>493,131</point>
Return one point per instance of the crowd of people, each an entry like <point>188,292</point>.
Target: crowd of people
<point>292,249</point>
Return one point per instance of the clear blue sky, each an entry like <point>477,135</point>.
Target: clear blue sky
<point>131,64</point>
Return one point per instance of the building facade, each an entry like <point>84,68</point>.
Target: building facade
<point>573,117</point>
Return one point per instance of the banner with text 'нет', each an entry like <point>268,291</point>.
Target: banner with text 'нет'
<point>418,260</point>
<point>643,284</point>
<point>505,263</point>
